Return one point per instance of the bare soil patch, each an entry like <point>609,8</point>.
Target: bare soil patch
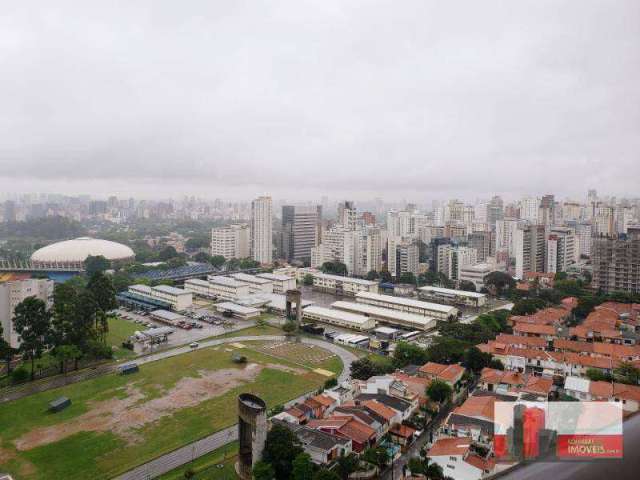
<point>125,416</point>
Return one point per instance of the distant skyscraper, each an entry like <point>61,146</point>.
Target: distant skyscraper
<point>300,231</point>
<point>261,230</point>
<point>347,215</point>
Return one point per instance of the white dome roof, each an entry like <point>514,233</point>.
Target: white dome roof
<point>78,249</point>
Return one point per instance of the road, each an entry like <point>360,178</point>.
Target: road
<point>188,453</point>
<point>624,469</point>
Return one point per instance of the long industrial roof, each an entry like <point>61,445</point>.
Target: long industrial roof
<point>451,291</point>
<point>339,315</point>
<point>436,307</point>
<point>383,313</point>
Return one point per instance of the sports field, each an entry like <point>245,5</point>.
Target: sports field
<point>118,422</point>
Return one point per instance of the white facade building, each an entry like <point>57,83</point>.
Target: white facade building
<point>256,284</point>
<point>338,317</point>
<point>14,292</point>
<point>261,230</point>
<point>343,285</point>
<point>281,283</point>
<point>231,241</point>
<point>178,298</point>
<point>440,312</point>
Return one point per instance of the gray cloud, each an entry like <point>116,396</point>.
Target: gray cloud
<point>419,97</point>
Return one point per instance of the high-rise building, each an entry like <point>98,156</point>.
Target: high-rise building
<point>301,226</point>
<point>14,292</point>
<point>584,232</point>
<point>261,230</point>
<point>546,212</point>
<point>529,246</point>
<point>231,241</point>
<point>495,211</point>
<point>453,258</point>
<point>529,209</point>
<point>402,256</point>
<point>373,250</point>
<point>484,244</point>
<point>347,215</point>
<point>561,249</point>
<point>616,262</point>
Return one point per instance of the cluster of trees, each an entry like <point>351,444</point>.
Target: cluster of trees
<point>283,458</point>
<point>334,268</point>
<point>421,466</point>
<point>625,372</point>
<point>371,366</point>
<point>45,228</point>
<point>75,328</point>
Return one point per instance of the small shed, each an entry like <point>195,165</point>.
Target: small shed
<point>128,368</point>
<point>59,404</point>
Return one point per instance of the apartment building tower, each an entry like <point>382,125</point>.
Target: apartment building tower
<point>261,230</point>
<point>231,241</point>
<point>616,262</point>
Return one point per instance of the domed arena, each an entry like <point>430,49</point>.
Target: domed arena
<point>73,253</point>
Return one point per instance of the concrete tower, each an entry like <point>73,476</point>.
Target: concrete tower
<point>252,432</point>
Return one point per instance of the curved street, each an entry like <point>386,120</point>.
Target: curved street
<point>189,452</point>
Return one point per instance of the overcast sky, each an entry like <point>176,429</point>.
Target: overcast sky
<point>398,99</point>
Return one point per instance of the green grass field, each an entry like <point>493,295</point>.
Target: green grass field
<point>119,331</point>
<point>217,465</point>
<point>92,452</point>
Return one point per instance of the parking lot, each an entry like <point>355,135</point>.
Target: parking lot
<point>182,336</point>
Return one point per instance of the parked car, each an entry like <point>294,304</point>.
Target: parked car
<point>193,345</point>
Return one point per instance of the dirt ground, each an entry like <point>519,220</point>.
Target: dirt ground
<point>296,352</point>
<point>125,416</point>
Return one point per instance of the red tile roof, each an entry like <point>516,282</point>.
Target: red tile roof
<point>403,431</point>
<point>477,407</point>
<point>535,342</point>
<point>380,409</point>
<point>534,329</point>
<point>450,447</point>
<point>538,385</point>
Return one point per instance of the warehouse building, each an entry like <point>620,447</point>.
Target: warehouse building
<point>342,285</point>
<point>238,311</point>
<point>281,283</point>
<point>256,284</point>
<point>217,286</point>
<point>452,297</point>
<point>437,311</point>
<point>165,316</point>
<point>388,316</point>
<point>338,318</point>
<point>178,298</point>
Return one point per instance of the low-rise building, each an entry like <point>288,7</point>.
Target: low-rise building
<point>323,447</point>
<point>281,283</point>
<point>409,305</point>
<point>338,317</point>
<point>256,284</point>
<point>476,273</point>
<point>388,316</point>
<point>226,287</point>
<point>457,460</point>
<point>239,311</point>
<point>452,297</point>
<point>339,285</point>
<point>178,298</point>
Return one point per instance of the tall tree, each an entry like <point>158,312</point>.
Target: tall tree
<point>281,447</point>
<point>439,391</point>
<point>101,287</point>
<point>346,465</point>
<point>94,264</point>
<point>302,468</point>
<point>32,322</point>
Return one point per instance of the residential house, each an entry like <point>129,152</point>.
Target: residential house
<point>458,460</point>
